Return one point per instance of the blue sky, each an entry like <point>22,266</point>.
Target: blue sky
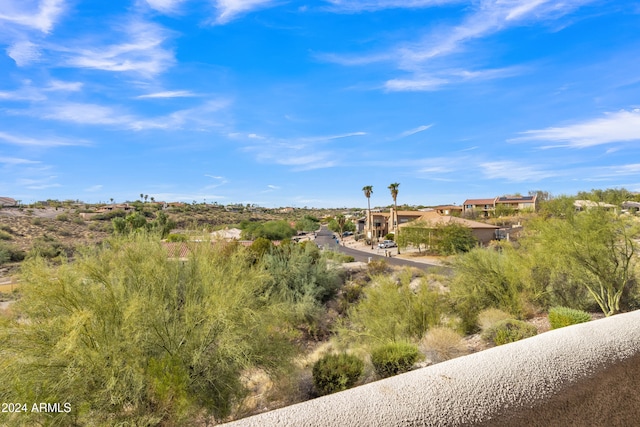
<point>295,103</point>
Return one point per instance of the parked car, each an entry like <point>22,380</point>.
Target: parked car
<point>387,244</point>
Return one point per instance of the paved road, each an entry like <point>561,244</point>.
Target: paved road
<point>325,238</point>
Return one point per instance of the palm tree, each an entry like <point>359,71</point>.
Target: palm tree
<point>368,190</point>
<point>394,194</point>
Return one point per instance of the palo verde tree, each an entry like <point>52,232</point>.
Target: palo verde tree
<point>597,249</point>
<point>126,336</point>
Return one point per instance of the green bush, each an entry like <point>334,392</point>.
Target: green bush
<point>337,372</point>
<point>394,358</point>
<point>129,337</point>
<point>507,331</point>
<point>10,253</point>
<point>62,217</point>
<point>339,257</point>
<point>486,278</point>
<point>5,236</point>
<point>174,237</point>
<point>391,313</point>
<point>560,317</point>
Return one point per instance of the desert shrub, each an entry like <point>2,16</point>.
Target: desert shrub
<point>388,312</point>
<point>78,220</point>
<point>486,278</point>
<point>441,343</point>
<point>394,358</point>
<point>272,230</point>
<point>560,317</point>
<point>36,221</point>
<point>339,257</point>
<point>491,316</point>
<point>297,275</point>
<point>377,266</point>
<point>62,217</point>
<point>349,294</point>
<point>48,247</point>
<point>10,253</point>
<point>337,372</point>
<point>128,337</point>
<point>452,239</point>
<point>177,237</point>
<point>507,331</point>
<point>5,236</point>
<point>261,246</point>
<point>5,227</point>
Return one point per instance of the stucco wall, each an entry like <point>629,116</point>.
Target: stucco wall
<point>583,375</point>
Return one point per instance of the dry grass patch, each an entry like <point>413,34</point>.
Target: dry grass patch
<point>441,343</point>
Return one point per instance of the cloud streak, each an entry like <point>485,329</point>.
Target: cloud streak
<point>141,51</point>
<point>418,58</point>
<point>38,142</point>
<point>39,15</point>
<point>621,126</point>
<point>228,10</point>
<point>168,94</point>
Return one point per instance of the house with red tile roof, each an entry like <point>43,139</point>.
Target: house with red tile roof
<point>486,207</point>
<point>7,202</point>
<point>483,232</point>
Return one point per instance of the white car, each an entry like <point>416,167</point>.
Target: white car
<point>387,244</point>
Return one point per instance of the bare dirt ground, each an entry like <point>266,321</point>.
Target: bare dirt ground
<point>63,228</point>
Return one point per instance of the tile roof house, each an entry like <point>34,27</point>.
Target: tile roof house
<point>7,201</point>
<point>449,209</point>
<point>485,206</point>
<point>483,232</point>
<point>519,203</point>
<point>488,206</point>
<point>382,221</point>
<point>581,205</point>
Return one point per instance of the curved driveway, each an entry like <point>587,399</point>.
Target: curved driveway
<point>324,239</point>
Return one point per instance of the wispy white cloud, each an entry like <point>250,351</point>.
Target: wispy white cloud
<point>168,94</point>
<point>273,187</point>
<point>39,184</point>
<point>165,6</point>
<point>81,113</point>
<point>61,86</point>
<point>17,161</point>
<point>415,130</point>
<point>418,58</point>
<point>620,126</point>
<point>303,153</point>
<point>220,180</point>
<point>40,15</point>
<point>28,92</point>
<point>200,117</point>
<point>512,171</point>
<point>488,17</point>
<point>24,53</point>
<point>141,50</point>
<point>228,10</point>
<point>372,5</point>
<point>38,142</point>
<point>94,188</point>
